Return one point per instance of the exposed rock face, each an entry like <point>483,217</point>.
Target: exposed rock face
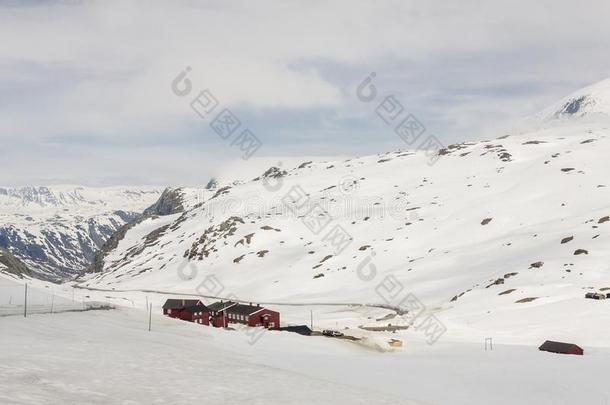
<point>273,172</point>
<point>212,184</point>
<point>206,243</point>
<point>574,105</point>
<point>11,265</point>
<point>170,202</point>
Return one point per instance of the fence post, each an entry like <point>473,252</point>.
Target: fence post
<point>52,302</point>
<point>149,316</point>
<point>25,304</point>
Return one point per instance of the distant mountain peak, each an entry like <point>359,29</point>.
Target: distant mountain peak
<point>575,106</point>
<point>589,103</point>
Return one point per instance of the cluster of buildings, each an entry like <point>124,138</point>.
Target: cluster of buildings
<point>222,313</point>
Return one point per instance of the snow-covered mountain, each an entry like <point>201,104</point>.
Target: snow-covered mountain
<point>590,104</point>
<point>505,225</point>
<point>56,230</point>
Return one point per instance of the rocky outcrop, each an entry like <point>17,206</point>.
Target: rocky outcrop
<point>273,172</point>
<point>170,202</point>
<point>11,265</point>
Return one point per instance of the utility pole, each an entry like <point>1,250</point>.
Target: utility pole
<point>311,314</point>
<point>147,301</point>
<point>25,305</point>
<point>52,302</point>
<point>150,316</point>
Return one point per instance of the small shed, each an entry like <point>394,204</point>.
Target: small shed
<point>561,348</point>
<point>300,329</point>
<point>395,342</point>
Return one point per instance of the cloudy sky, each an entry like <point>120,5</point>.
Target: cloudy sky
<point>86,86</point>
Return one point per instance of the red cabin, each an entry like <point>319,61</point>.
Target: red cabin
<point>218,316</point>
<point>562,348</point>
<point>219,320</point>
<point>264,317</point>
<point>197,313</point>
<point>224,313</point>
<point>187,310</point>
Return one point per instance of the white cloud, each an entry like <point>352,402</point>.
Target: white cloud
<point>103,68</point>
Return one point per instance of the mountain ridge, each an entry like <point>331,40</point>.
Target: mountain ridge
<point>56,230</point>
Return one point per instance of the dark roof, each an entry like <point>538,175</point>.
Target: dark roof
<point>197,308</point>
<point>243,309</point>
<point>176,304</point>
<point>300,329</point>
<point>558,347</point>
<point>220,305</point>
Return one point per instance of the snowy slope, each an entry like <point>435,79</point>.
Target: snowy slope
<point>477,236</point>
<point>56,230</point>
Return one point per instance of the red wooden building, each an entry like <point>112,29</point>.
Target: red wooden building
<point>187,310</point>
<point>224,313</point>
<point>197,313</point>
<point>562,348</point>
<point>218,316</point>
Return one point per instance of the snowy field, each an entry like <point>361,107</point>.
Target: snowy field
<point>109,357</point>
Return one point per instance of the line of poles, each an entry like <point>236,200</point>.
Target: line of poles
<point>25,301</point>
<point>25,305</point>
